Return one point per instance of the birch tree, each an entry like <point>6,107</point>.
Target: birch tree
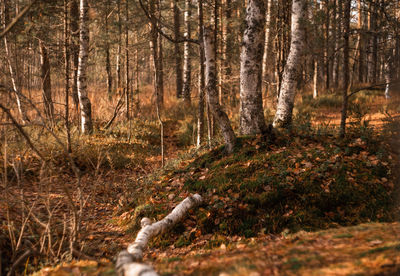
<point>251,110</point>
<point>283,116</point>
<point>84,101</point>
<point>74,29</point>
<point>177,49</point>
<point>212,92</point>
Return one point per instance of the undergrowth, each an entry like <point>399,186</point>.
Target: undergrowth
<point>305,180</point>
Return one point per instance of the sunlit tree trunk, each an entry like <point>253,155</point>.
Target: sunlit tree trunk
<point>212,92</point>
<point>315,79</point>
<point>251,110</point>
<point>267,47</point>
<point>46,81</point>
<point>187,67</point>
<point>177,49</point>
<point>283,116</point>
<point>84,102</point>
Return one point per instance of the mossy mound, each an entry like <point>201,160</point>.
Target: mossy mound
<point>300,182</point>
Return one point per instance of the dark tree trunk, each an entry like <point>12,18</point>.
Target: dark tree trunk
<point>346,64</point>
<point>46,81</point>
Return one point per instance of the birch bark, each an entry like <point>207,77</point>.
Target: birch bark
<point>84,102</point>
<point>283,116</point>
<point>177,49</point>
<point>251,110</point>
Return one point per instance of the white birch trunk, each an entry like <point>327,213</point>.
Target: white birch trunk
<point>315,79</point>
<point>212,92</point>
<point>84,102</point>
<point>283,116</point>
<point>251,110</point>
<point>266,46</point>
<point>126,259</point>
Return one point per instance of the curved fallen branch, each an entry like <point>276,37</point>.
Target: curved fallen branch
<point>126,261</point>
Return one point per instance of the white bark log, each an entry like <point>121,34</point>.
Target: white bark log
<point>126,265</point>
<point>138,269</point>
<point>84,102</point>
<point>251,110</point>
<point>283,116</point>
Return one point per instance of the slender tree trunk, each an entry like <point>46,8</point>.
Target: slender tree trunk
<point>187,67</point>
<point>228,47</point>
<point>17,89</point>
<point>127,79</point>
<point>315,79</point>
<point>46,81</point>
<point>177,49</point>
<point>361,41</point>
<point>74,28</point>
<point>118,58</point>
<point>84,101</point>
<point>283,116</point>
<point>337,54</point>
<point>107,50</point>
<point>327,45</point>
<point>346,63</point>
<point>212,92</point>
<point>160,70</point>
<point>373,43</point>
<point>200,113</point>
<point>267,45</point>
<point>66,73</point>
<point>251,110</point>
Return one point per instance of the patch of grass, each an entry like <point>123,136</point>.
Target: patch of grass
<point>380,249</point>
<point>343,236</point>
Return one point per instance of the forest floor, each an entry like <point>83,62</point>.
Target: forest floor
<point>265,205</point>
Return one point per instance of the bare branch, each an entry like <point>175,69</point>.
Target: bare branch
<point>20,15</point>
<point>154,21</point>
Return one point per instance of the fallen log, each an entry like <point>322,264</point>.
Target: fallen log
<point>128,260</point>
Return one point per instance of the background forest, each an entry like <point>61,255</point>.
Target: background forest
<point>283,115</point>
